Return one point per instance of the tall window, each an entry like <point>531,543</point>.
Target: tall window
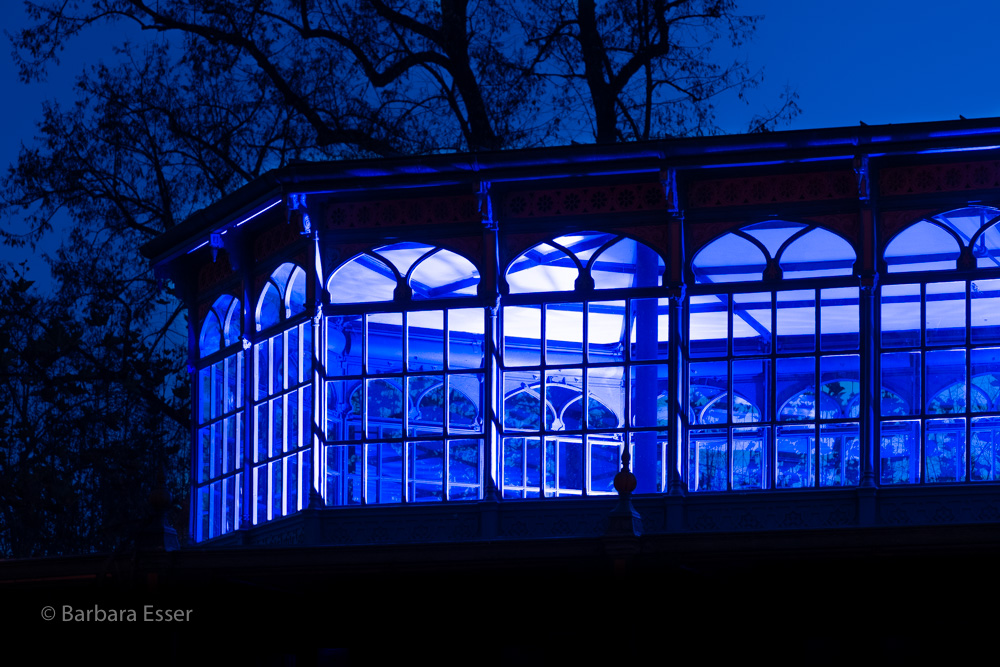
<point>774,374</point>
<point>282,396</point>
<point>583,366</point>
<point>219,456</point>
<point>404,378</point>
<point>940,359</point>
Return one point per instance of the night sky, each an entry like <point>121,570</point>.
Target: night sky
<point>877,61</point>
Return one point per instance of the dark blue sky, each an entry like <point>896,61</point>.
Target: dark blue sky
<point>880,61</point>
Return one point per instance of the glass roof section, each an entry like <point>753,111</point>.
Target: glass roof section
<point>444,274</point>
<point>729,259</point>
<point>924,246</point>
<point>801,252</point>
<point>817,253</point>
<point>431,273</point>
<point>935,244</point>
<point>613,262</point>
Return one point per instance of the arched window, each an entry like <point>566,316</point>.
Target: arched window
<point>283,401</point>
<point>219,478</point>
<point>773,351</point>
<point>582,325</point>
<point>940,317</point>
<point>404,372</point>
<point>283,297</point>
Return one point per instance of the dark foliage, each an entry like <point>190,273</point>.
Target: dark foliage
<point>213,93</point>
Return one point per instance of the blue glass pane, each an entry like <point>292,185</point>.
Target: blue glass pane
<point>232,318</point>
<point>751,379</point>
<point>796,446</point>
<point>294,433</point>
<point>986,311</point>
<point>465,398</point>
<point>749,445</point>
<point>899,453</point>
<point>564,333</point>
<point>817,253</point>
<point>649,395</point>
<point>985,449</point>
<point>363,279</point>
<point>385,409</point>
<point>427,470</point>
<point>268,308</point>
<point>522,334</point>
<point>752,323</point>
<point>708,463</point>
<point>900,393</point>
<point>385,473</point>
<point>839,455</point>
<point>707,392</point>
<point>343,410</point>
<point>295,293</point>
<point>521,465</point>
<point>840,387</point>
<point>839,319</point>
<point>563,466</point>
<point>543,268</point>
<point>650,329</point>
<point>466,338</point>
<point>425,340</point>
<point>211,335</point>
<point>709,329</point>
<point>728,259</point>
<point>277,486</point>
<point>945,450</point>
<point>986,380</point>
<point>797,321</point>
<point>606,403</point>
<point>564,401</point>
<point>923,246</point>
<point>605,462</point>
<point>627,264</point>
<point>945,374</point>
<point>343,475</point>
<point>649,460</point>
<point>796,389</point>
<point>606,330</point>
<point>945,313</point>
<point>444,275</point>
<point>427,404</point>
<point>463,469</point>
<point>986,249</point>
<point>293,495</point>
<point>522,409</point>
<point>901,315</point>
<point>385,343</point>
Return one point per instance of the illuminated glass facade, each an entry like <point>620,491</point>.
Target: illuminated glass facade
<point>738,334</point>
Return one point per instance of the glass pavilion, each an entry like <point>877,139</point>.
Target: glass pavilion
<point>367,335</point>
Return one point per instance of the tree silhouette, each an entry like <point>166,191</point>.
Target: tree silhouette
<point>213,94</point>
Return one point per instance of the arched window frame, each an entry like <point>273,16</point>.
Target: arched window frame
<point>280,456</point>
<point>542,457</point>
<point>939,338</point>
<point>218,465</point>
<point>771,334</point>
<point>411,341</point>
